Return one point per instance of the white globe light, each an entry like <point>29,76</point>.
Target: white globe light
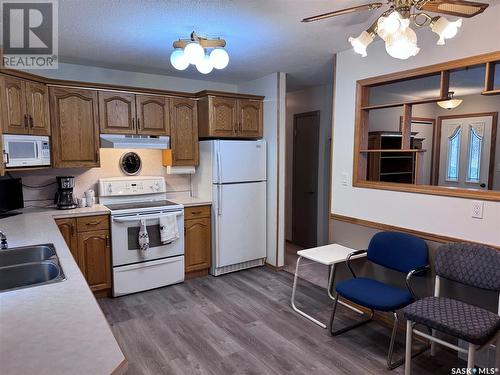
<point>360,43</point>
<point>389,24</point>
<point>178,59</point>
<point>194,52</point>
<point>204,66</point>
<point>402,45</point>
<point>219,58</point>
<point>445,29</point>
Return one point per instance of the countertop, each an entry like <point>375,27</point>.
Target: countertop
<point>56,328</point>
<point>191,201</point>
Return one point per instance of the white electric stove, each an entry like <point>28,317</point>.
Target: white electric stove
<point>132,199</point>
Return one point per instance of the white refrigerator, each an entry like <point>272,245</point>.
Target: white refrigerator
<point>232,174</point>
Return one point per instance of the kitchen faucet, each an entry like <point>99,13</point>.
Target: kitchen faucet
<point>3,241</point>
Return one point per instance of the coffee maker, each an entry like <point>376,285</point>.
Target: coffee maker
<point>64,195</point>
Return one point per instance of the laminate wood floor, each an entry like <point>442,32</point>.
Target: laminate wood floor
<point>242,323</point>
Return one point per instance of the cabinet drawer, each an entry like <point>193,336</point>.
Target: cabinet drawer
<point>196,212</point>
<point>84,224</point>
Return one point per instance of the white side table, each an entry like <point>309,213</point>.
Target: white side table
<point>329,255</point>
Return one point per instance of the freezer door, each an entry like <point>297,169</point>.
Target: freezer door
<point>239,223</point>
<point>239,161</point>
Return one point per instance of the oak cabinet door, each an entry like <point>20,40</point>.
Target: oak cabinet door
<point>250,118</point>
<point>117,112</point>
<point>153,117</point>
<point>13,95</point>
<point>184,131</point>
<point>223,117</point>
<point>75,127</point>
<point>197,242</point>
<point>37,103</point>
<point>95,258</point>
<point>67,227</point>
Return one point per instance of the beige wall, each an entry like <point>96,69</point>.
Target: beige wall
<point>428,213</point>
<point>317,98</point>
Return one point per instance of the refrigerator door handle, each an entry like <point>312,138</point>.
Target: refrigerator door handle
<point>219,164</point>
<point>219,200</point>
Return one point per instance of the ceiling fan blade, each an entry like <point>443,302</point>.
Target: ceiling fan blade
<point>370,6</point>
<point>460,8</point>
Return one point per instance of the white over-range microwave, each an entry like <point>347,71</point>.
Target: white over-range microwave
<point>25,150</point>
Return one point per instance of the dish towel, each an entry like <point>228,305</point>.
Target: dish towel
<point>143,239</point>
<point>169,230</point>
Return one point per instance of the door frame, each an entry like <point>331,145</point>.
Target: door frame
<point>316,172</point>
<point>437,144</point>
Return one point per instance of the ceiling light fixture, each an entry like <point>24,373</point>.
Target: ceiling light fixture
<point>393,25</point>
<point>451,102</point>
<point>195,51</point>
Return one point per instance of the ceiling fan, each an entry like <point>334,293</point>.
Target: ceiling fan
<point>393,25</point>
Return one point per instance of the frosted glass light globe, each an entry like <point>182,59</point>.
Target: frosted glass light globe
<point>178,59</point>
<point>204,66</point>
<point>194,52</point>
<point>219,58</point>
<point>402,45</point>
<point>445,29</point>
<point>360,43</point>
<point>389,24</point>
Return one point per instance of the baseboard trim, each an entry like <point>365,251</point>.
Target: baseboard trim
<point>273,267</point>
<point>425,235</point>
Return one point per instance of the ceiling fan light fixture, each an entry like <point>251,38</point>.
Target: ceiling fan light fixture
<point>178,59</point>
<point>360,43</point>
<point>402,45</point>
<point>204,66</point>
<point>451,102</point>
<point>444,28</point>
<point>389,24</point>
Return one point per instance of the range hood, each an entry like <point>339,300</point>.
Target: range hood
<point>134,141</point>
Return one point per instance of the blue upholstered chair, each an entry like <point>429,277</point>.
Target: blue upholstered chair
<point>470,264</point>
<point>398,251</point>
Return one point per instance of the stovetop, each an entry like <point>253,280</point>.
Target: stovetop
<point>140,206</point>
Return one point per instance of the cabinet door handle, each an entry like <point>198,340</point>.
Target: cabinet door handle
<point>107,240</point>
<point>133,123</point>
<point>31,122</point>
<point>93,223</point>
<point>195,212</point>
<point>139,123</point>
<point>72,229</point>
<point>97,155</point>
<point>26,121</point>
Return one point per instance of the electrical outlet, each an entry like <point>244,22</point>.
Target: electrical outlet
<point>477,209</point>
<point>345,179</point>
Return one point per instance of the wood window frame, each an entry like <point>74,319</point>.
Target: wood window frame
<point>363,107</point>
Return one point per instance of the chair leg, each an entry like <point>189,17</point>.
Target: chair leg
<point>471,356</point>
<point>348,328</point>
<point>409,334</point>
<point>497,354</point>
<point>433,344</point>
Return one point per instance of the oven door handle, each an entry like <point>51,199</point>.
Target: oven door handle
<point>128,219</point>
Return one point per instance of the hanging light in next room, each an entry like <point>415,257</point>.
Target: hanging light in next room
<point>451,102</point>
<point>196,51</point>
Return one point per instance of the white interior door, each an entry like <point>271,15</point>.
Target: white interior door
<point>240,222</point>
<point>465,146</point>
<point>240,161</point>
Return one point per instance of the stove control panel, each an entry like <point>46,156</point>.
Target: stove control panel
<point>131,186</point>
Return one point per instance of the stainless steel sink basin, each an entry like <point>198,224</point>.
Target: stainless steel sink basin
<point>26,254</point>
<point>29,266</point>
<point>29,274</point>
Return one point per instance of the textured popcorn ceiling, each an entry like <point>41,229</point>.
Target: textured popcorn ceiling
<point>263,36</point>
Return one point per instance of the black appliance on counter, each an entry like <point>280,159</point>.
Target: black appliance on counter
<point>64,196</point>
<point>11,196</point>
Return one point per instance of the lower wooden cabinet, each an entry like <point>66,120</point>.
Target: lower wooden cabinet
<point>197,241</point>
<point>88,239</point>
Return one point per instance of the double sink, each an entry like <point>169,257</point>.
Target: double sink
<point>29,266</point>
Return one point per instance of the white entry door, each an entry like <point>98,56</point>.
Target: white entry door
<point>465,146</point>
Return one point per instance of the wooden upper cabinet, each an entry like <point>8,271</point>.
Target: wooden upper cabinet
<point>224,116</point>
<point>153,116</point>
<point>25,106</point>
<point>250,118</point>
<point>184,132</point>
<point>15,116</point>
<point>37,98</point>
<point>75,127</point>
<point>117,112</point>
